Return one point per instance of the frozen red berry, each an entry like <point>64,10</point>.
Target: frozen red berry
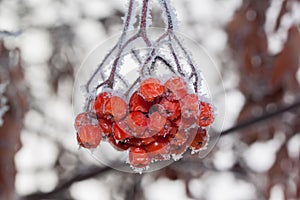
<point>178,138</point>
<point>167,129</point>
<point>105,125</point>
<point>189,106</point>
<point>83,119</point>
<point>115,108</point>
<point>178,150</point>
<point>176,88</point>
<point>160,146</point>
<point>184,123</point>
<point>199,140</point>
<point>170,109</point>
<point>137,123</point>
<point>119,133</point>
<point>89,136</point>
<point>206,116</point>
<point>138,103</point>
<point>156,122</point>
<point>138,157</point>
<point>140,141</point>
<point>118,145</point>
<point>151,88</point>
<point>100,101</point>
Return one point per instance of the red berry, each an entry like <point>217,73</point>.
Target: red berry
<point>170,109</point>
<point>184,123</point>
<point>138,157</point>
<point>176,88</point>
<point>206,116</point>
<point>100,101</point>
<point>119,133</point>
<point>189,106</point>
<point>178,138</point>
<point>138,103</point>
<point>83,119</point>
<point>199,140</point>
<point>119,146</point>
<point>105,125</point>
<point>89,136</point>
<point>137,123</point>
<point>156,122</point>
<point>177,150</point>
<point>116,108</point>
<point>167,129</point>
<point>161,146</point>
<point>140,141</point>
<point>151,88</point>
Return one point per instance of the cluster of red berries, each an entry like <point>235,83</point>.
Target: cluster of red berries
<point>161,119</point>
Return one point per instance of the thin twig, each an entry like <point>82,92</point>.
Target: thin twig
<point>190,61</point>
<point>262,118</point>
<point>80,176</point>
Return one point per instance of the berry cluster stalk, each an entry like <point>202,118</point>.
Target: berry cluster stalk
<point>146,64</point>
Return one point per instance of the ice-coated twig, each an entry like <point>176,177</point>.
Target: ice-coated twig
<point>190,62</point>
<point>170,45</point>
<point>145,21</point>
<point>147,63</point>
<point>170,18</point>
<point>164,61</point>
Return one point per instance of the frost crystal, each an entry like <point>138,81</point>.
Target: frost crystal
<point>3,100</point>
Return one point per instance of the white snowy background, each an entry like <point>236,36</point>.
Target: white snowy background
<point>201,20</point>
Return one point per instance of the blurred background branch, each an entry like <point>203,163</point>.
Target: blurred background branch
<point>256,45</point>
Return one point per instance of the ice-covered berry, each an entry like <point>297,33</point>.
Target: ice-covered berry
<point>140,141</point>
<point>160,146</point>
<point>169,109</point>
<point>156,122</point>
<point>151,88</point>
<point>83,119</point>
<point>199,140</point>
<point>175,88</point>
<point>138,103</point>
<point>118,145</point>
<point>206,116</point>
<point>189,106</point>
<point>115,108</point>
<point>137,123</point>
<point>178,138</point>
<point>105,125</point>
<point>119,133</point>
<point>89,136</point>
<point>100,101</point>
<point>138,157</point>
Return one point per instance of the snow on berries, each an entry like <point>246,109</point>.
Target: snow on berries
<point>154,123</point>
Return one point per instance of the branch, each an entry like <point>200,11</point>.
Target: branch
<point>262,118</point>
